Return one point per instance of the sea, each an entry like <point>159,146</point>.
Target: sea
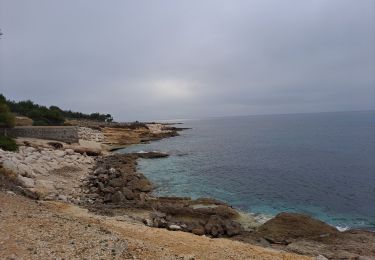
<point>320,164</point>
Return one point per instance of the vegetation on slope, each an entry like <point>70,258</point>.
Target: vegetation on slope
<point>8,144</point>
<point>53,115</point>
<point>7,120</point>
<point>6,117</point>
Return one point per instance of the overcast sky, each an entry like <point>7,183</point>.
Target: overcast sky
<point>187,59</point>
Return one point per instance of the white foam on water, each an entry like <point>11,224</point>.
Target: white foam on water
<point>342,229</point>
<point>251,221</point>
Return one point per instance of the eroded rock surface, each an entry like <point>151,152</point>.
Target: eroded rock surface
<point>286,227</point>
<point>115,183</point>
<point>47,172</point>
<point>302,234</point>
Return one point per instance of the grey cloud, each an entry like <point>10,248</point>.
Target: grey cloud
<point>173,59</point>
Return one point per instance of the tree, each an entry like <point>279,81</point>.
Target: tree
<point>7,119</point>
<point>108,118</point>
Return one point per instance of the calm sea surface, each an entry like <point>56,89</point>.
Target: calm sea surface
<point>320,164</point>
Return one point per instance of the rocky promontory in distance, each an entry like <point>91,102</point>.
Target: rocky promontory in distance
<point>108,184</point>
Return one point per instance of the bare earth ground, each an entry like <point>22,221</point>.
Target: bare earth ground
<point>53,230</point>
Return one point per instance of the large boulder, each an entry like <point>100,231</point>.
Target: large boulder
<point>140,185</point>
<point>88,151</point>
<point>232,228</point>
<point>10,166</point>
<point>198,230</point>
<point>286,227</point>
<point>69,151</point>
<point>128,193</point>
<point>26,170</point>
<point>26,182</point>
<point>117,182</point>
<point>151,155</point>
<point>217,226</point>
<point>60,153</point>
<point>117,197</point>
<point>158,219</point>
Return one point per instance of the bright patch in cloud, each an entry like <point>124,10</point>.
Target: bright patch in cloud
<point>171,89</point>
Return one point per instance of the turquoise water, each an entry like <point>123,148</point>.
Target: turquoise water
<point>320,164</point>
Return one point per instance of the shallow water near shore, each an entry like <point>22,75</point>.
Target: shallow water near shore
<point>320,164</point>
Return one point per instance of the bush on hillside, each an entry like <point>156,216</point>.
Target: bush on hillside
<point>50,116</point>
<point>93,116</point>
<point>8,144</point>
<point>42,115</point>
<point>40,122</point>
<point>7,119</point>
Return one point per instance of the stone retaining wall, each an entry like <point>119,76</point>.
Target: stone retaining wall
<point>67,134</point>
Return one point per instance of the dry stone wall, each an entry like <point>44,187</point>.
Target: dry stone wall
<point>67,134</point>
<point>89,134</point>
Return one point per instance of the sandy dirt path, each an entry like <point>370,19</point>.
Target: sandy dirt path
<point>52,230</point>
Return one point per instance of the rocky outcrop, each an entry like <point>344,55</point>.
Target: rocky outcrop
<point>286,227</point>
<point>215,226</point>
<point>151,155</point>
<point>120,135</point>
<point>45,172</point>
<point>58,231</point>
<point>115,181</point>
<point>304,235</point>
<point>30,162</point>
<point>200,208</point>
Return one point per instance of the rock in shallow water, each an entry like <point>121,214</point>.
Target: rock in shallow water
<point>288,226</point>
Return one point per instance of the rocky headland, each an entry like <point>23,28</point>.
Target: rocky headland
<point>64,179</point>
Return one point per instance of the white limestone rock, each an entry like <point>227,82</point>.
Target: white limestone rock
<point>60,153</point>
<point>10,165</point>
<point>29,150</point>
<point>37,168</point>
<point>69,151</point>
<point>26,182</point>
<point>25,170</point>
<point>30,159</point>
<point>174,227</point>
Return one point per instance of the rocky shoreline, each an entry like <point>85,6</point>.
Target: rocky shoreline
<point>115,182</point>
<point>108,184</point>
<point>125,188</point>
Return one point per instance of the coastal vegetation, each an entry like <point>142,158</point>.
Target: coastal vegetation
<point>45,116</point>
<point>7,120</point>
<point>93,116</point>
<point>8,144</point>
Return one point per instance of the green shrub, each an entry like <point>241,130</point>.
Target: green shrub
<point>8,144</point>
<point>7,119</point>
<point>52,115</point>
<point>40,122</point>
